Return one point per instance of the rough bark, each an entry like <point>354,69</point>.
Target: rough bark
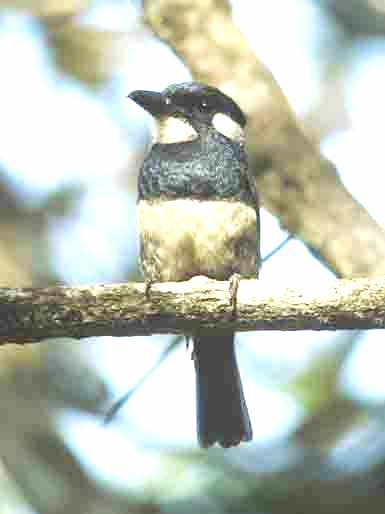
<point>28,315</point>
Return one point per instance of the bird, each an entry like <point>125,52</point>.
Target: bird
<point>198,214</point>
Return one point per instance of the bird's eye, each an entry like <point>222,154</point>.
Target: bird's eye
<point>203,104</point>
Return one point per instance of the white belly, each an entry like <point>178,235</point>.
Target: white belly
<point>184,237</point>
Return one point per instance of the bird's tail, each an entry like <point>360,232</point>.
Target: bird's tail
<point>222,414</point>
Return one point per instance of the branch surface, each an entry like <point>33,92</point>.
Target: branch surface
<point>295,181</point>
<point>29,315</point>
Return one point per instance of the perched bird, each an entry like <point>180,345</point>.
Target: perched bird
<point>198,215</point>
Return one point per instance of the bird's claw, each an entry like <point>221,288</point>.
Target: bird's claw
<point>147,289</point>
<point>233,289</point>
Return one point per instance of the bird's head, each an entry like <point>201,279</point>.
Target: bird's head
<point>184,111</point>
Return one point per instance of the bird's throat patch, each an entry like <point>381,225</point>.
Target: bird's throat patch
<point>228,127</point>
<point>175,130</point>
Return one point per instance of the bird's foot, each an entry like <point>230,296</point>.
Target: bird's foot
<point>147,289</point>
<point>233,290</point>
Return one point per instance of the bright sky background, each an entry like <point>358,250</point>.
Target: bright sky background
<point>44,115</point>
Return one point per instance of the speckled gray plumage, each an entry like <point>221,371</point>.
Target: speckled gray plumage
<point>211,166</point>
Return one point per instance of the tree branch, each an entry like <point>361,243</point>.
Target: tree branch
<point>29,315</point>
<point>296,182</point>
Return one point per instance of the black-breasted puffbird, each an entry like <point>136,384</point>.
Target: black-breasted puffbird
<point>198,215</point>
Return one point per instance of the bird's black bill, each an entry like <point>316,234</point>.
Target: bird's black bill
<point>152,102</point>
